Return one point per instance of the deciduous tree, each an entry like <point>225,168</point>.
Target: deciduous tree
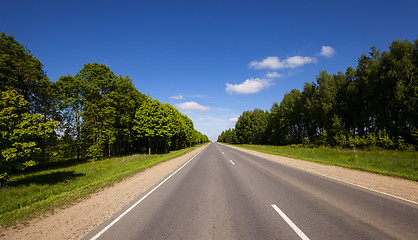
<point>20,133</point>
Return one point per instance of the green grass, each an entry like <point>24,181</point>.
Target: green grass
<point>402,164</point>
<point>32,194</point>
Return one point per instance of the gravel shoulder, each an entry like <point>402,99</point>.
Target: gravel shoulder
<point>401,188</point>
<point>77,220</point>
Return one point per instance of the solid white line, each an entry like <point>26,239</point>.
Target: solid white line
<point>232,162</point>
<point>291,224</point>
<point>360,186</point>
<point>140,200</point>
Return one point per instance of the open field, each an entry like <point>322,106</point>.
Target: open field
<point>30,194</point>
<point>400,164</point>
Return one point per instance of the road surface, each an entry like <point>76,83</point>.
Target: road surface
<point>223,193</point>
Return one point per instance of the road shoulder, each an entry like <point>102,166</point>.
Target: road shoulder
<point>397,187</point>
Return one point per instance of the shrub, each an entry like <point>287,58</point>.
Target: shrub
<point>384,140</point>
<point>341,140</point>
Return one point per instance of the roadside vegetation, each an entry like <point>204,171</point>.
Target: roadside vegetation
<point>94,114</point>
<point>40,189</point>
<point>63,139</point>
<point>402,164</point>
<point>372,106</point>
<point>365,118</point>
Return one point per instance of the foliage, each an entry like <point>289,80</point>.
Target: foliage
<point>19,69</point>
<point>106,115</point>
<point>20,132</point>
<point>163,126</point>
<point>251,126</point>
<point>152,122</point>
<point>228,136</point>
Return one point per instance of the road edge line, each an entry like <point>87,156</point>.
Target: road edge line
<point>142,199</point>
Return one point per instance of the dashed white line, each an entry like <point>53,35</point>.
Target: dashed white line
<point>232,162</point>
<point>291,224</point>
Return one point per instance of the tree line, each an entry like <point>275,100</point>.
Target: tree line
<point>93,114</point>
<point>374,105</point>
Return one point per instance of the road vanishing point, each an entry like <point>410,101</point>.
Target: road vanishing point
<point>224,193</point>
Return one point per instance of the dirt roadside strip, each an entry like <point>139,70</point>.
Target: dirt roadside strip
<point>76,221</point>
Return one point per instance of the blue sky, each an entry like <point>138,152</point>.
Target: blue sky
<point>210,59</point>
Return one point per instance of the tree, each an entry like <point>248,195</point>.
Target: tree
<point>19,69</point>
<point>70,102</point>
<point>274,129</point>
<point>243,128</point>
<point>20,133</point>
<point>227,136</point>
<point>151,122</point>
<point>291,105</point>
<point>127,100</point>
<point>251,126</point>
<point>22,72</point>
<point>259,120</point>
<point>99,110</point>
<point>188,131</point>
<point>177,127</point>
<point>399,89</point>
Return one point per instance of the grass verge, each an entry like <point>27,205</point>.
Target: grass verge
<point>32,194</point>
<point>402,164</point>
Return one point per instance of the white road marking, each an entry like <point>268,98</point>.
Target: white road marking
<point>356,185</point>
<point>223,153</point>
<point>291,224</point>
<point>140,200</point>
<point>232,162</point>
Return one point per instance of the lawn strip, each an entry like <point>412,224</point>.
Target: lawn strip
<point>402,164</point>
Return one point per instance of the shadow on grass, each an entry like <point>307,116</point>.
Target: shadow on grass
<point>46,179</point>
<point>51,165</point>
<point>59,164</point>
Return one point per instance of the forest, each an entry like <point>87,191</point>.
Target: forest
<point>372,106</point>
<point>94,114</point>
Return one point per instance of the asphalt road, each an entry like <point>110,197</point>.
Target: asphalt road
<point>223,193</point>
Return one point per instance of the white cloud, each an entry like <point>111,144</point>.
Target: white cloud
<point>275,63</point>
<point>252,85</point>
<point>233,120</point>
<point>269,62</point>
<point>327,51</point>
<point>297,61</point>
<point>180,97</point>
<point>188,107</point>
<point>274,75</point>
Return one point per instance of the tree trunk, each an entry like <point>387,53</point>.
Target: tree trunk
<point>109,149</point>
<point>149,146</point>
<point>78,140</point>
